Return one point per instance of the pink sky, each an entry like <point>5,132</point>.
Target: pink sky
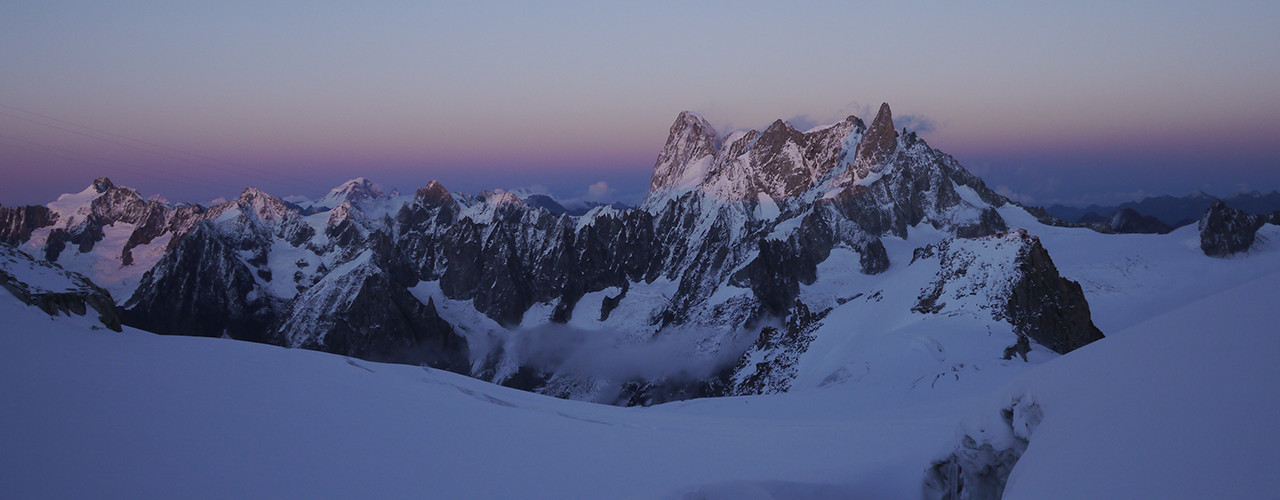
<point>1057,103</point>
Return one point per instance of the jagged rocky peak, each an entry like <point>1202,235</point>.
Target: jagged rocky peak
<point>1044,306</point>
<point>434,194</point>
<point>202,287</point>
<point>344,212</point>
<point>259,203</point>
<point>363,309</point>
<point>878,144</point>
<point>102,184</point>
<point>692,139</point>
<point>1225,230</point>
<point>1012,276</point>
<point>777,165</point>
<point>17,223</point>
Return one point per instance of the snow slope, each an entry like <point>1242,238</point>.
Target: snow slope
<point>130,415</point>
<point>1179,401</point>
<point>1184,405</point>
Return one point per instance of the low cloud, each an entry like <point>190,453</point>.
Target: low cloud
<point>599,191</point>
<point>525,190</point>
<point>614,356</point>
<point>805,122</point>
<point>1018,197</point>
<point>916,123</point>
<point>857,109</point>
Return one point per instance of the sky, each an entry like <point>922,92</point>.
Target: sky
<point>1066,102</point>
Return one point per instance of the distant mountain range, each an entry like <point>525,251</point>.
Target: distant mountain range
<point>720,280</point>
<point>845,261</point>
<point>575,208</point>
<point>1172,210</point>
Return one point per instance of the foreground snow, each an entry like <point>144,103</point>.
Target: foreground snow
<point>1184,405</point>
<point>99,414</point>
<point>1180,400</point>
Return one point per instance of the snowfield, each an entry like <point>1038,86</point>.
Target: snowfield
<point>1180,400</point>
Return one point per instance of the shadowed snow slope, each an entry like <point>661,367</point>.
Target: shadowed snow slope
<point>1181,404</point>
<point>94,414</point>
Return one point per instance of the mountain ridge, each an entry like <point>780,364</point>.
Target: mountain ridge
<point>1174,210</point>
<point>738,235</point>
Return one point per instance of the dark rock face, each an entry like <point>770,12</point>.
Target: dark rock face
<point>1123,221</point>
<point>878,144</point>
<point>648,392</point>
<point>525,254</point>
<point>422,225</point>
<point>769,365</point>
<point>363,309</point>
<point>497,269</point>
<point>546,203</point>
<point>786,162</point>
<point>102,184</point>
<point>154,221</point>
<point>1225,230</point>
<point>1128,220</point>
<point>989,223</point>
<point>201,288</point>
<point>1046,307</point>
<point>921,186</point>
<point>54,290</point>
<point>979,469</point>
<point>781,266</point>
<point>1025,291</point>
<point>17,223</point>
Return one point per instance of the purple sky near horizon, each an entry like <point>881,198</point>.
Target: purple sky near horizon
<point>1075,102</point>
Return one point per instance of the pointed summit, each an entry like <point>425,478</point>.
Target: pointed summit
<point>356,191</point>
<point>434,194</point>
<point>266,207</point>
<point>692,139</point>
<point>358,186</point>
<point>878,144</point>
<point>102,184</point>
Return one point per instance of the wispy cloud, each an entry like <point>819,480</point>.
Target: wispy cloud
<point>917,123</point>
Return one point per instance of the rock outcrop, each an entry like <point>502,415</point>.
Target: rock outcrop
<point>54,290</point>
<point>17,223</point>
<point>1044,306</point>
<point>1012,277</point>
<point>1129,221</point>
<point>980,465</point>
<point>1225,230</point>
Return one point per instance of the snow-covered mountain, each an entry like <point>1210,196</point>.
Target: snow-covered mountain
<point>749,250</point>
<point>1175,402</point>
<point>729,252</point>
<point>855,293</point>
